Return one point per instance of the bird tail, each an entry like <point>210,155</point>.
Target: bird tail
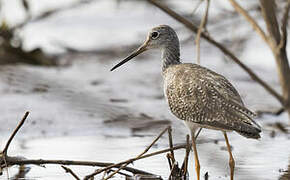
<point>253,134</point>
<point>250,130</point>
<point>247,126</point>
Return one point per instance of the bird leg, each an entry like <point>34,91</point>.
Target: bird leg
<point>197,165</point>
<point>231,161</point>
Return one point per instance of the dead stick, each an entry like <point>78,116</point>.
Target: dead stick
<point>16,161</point>
<point>200,28</point>
<point>171,144</point>
<point>169,160</point>
<point>185,161</point>
<point>14,133</point>
<point>198,133</point>
<point>68,170</point>
<point>128,161</point>
<point>172,170</point>
<point>227,52</point>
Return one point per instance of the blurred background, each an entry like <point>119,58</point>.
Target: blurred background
<point>55,61</point>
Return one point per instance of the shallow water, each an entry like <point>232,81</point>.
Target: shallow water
<point>85,112</point>
<point>264,159</point>
<point>68,122</point>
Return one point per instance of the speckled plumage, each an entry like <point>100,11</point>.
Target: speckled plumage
<point>198,95</point>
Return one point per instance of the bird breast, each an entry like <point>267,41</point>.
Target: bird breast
<point>180,89</point>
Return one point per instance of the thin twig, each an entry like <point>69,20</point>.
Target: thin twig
<point>198,132</point>
<point>201,27</point>
<point>169,160</point>
<point>68,170</point>
<point>171,143</point>
<point>14,133</point>
<point>227,52</point>
<point>125,163</point>
<point>254,24</point>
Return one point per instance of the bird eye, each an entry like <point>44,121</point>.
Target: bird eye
<point>154,35</point>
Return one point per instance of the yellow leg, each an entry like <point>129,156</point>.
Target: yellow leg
<point>231,161</point>
<point>197,165</point>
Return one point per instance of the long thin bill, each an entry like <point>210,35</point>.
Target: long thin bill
<point>131,56</point>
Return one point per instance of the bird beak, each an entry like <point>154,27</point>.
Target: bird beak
<point>135,53</point>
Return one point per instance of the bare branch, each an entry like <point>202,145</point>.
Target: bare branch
<point>201,27</point>
<point>227,52</point>
<point>283,41</point>
<point>14,133</point>
<point>125,163</point>
<point>254,24</point>
<point>268,10</point>
<point>68,170</point>
<point>20,161</point>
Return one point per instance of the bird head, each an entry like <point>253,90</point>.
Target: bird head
<point>158,37</point>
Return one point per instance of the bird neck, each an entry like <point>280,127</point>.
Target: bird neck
<point>170,55</point>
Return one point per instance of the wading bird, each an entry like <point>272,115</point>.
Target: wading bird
<point>197,95</point>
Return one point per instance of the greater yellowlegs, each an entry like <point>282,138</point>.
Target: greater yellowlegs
<point>197,95</point>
